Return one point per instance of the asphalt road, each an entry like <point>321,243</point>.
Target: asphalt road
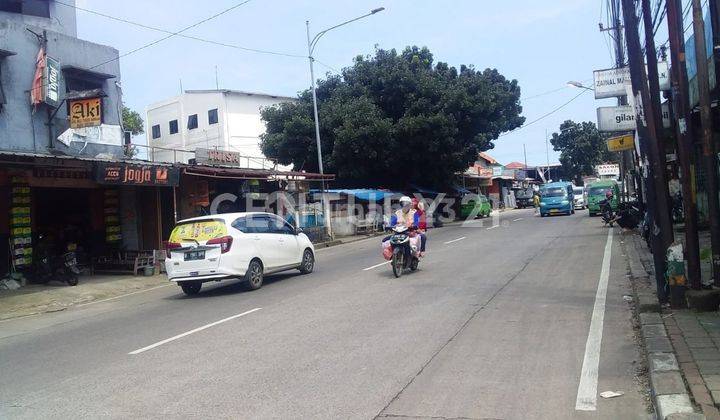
<point>495,324</point>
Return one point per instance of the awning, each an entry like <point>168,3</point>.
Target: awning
<point>423,190</point>
<point>461,190</point>
<point>6,53</point>
<point>248,173</point>
<point>361,193</point>
<point>81,73</point>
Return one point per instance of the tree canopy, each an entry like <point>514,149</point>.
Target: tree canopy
<point>581,148</point>
<point>132,121</point>
<point>394,119</point>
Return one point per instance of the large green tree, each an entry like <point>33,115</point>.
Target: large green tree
<point>394,119</point>
<point>581,148</point>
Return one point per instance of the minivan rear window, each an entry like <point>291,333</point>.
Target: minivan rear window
<point>199,230</point>
<point>553,192</point>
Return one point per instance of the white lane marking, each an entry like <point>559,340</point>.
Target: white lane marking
<point>376,266</point>
<point>587,389</point>
<point>212,324</point>
<point>518,219</point>
<point>455,240</point>
<point>493,227</point>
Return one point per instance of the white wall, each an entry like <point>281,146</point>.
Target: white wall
<point>238,129</point>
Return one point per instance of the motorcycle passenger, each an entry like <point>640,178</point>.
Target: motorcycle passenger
<point>407,216</point>
<point>419,208</point>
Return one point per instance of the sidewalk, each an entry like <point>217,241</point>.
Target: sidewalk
<point>55,296</point>
<point>682,346</point>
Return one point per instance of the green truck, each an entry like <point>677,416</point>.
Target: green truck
<point>596,193</point>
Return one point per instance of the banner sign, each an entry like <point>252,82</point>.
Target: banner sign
<point>217,157</point>
<point>610,83</point>
<point>85,112</point>
<point>130,174</point>
<point>485,172</point>
<point>622,118</point>
<point>608,169</point>
<point>497,170</point>
<point>616,144</point>
<point>51,82</point>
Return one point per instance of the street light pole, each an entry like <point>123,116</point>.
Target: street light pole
<point>311,47</point>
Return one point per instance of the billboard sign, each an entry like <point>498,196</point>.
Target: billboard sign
<point>611,83</point>
<point>622,118</point>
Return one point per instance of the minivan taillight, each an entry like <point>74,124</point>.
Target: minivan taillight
<point>171,245</point>
<point>225,243</point>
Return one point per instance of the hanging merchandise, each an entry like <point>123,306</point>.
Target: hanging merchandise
<point>20,223</point>
<point>112,216</point>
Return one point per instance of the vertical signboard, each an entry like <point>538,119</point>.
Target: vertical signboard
<point>51,85</point>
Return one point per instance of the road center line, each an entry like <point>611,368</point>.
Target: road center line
<point>212,324</point>
<point>518,219</point>
<point>376,266</point>
<point>455,240</point>
<point>587,389</point>
<point>493,227</point>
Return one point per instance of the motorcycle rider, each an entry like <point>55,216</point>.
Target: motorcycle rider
<point>409,217</point>
<point>606,207</point>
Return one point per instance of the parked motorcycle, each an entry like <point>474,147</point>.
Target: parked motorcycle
<point>405,249</point>
<point>48,267</point>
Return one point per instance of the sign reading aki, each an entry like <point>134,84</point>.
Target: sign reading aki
<point>145,175</point>
<point>85,112</point>
<point>622,118</point>
<point>217,157</point>
<point>611,83</point>
<point>616,144</point>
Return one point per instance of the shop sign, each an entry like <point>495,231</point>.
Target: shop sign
<point>497,171</point>
<point>85,112</point>
<point>144,175</point>
<point>217,157</point>
<point>622,118</point>
<point>520,174</point>
<point>616,144</point>
<point>485,172</point>
<point>51,82</point>
<point>508,173</point>
<point>61,173</point>
<point>611,83</point>
<point>608,169</point>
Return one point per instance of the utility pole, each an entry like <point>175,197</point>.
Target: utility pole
<point>654,85</point>
<point>525,154</point>
<point>708,146</point>
<point>683,130</point>
<point>646,129</point>
<point>547,156</point>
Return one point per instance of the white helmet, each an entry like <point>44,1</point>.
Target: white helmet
<point>405,200</point>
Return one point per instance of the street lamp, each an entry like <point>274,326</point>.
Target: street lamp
<point>579,85</point>
<point>312,43</point>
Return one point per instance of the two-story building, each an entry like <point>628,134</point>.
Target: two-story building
<point>63,167</point>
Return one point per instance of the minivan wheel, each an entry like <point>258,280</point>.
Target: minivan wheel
<point>254,275</point>
<point>308,262</point>
<point>190,287</point>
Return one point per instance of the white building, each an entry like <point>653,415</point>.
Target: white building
<point>209,119</point>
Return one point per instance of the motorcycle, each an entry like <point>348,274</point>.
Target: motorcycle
<point>405,249</point>
<point>608,217</point>
<point>47,267</point>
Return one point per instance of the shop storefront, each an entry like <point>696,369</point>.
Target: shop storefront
<point>101,207</point>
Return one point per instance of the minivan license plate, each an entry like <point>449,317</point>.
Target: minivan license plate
<point>194,255</point>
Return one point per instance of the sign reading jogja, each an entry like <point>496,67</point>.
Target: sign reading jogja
<point>610,83</point>
<point>51,82</point>
<point>217,157</point>
<point>622,118</point>
<point>616,144</point>
<point>85,112</point>
<point>143,175</point>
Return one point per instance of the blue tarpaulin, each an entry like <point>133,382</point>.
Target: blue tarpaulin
<point>362,194</point>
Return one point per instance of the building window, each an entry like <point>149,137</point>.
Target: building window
<point>156,131</point>
<point>212,116</point>
<point>173,127</point>
<point>192,121</point>
<point>39,8</point>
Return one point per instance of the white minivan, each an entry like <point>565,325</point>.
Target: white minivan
<point>579,195</point>
<point>235,245</point>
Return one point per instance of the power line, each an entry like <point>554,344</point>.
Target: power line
<point>153,28</point>
<point>544,116</point>
<point>326,65</point>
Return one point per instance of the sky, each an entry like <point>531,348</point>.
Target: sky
<point>542,44</point>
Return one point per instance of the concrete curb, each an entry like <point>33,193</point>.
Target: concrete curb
<point>669,393</point>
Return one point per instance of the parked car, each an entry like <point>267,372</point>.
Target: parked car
<point>477,206</point>
<point>556,198</point>
<point>596,194</point>
<point>579,194</point>
<point>235,245</point>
